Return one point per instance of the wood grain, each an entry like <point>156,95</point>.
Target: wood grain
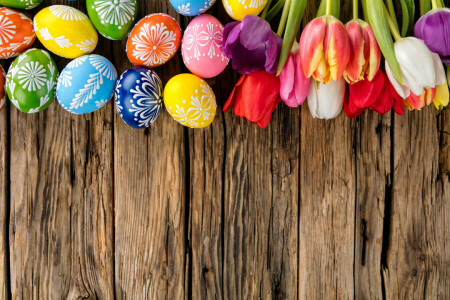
<point>150,196</point>
<point>4,203</point>
<point>373,189</point>
<point>417,264</point>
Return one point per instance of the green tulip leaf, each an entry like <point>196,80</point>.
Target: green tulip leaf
<point>335,8</point>
<point>294,18</point>
<point>411,11</point>
<point>405,18</point>
<point>275,10</point>
<point>377,18</point>
<point>424,6</point>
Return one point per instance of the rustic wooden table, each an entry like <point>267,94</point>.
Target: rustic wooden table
<point>307,209</point>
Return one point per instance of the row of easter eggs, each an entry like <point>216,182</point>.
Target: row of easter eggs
<point>88,82</point>
<point>154,40</point>
<point>119,14</point>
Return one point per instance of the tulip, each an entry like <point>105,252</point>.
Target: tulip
<point>326,101</point>
<point>365,55</point>
<point>324,49</point>
<point>433,29</point>
<point>251,45</point>
<point>419,67</point>
<point>441,98</point>
<point>418,101</point>
<point>376,95</point>
<point>255,97</point>
<point>293,83</point>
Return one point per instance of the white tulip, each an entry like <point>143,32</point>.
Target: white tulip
<point>420,68</point>
<point>327,100</point>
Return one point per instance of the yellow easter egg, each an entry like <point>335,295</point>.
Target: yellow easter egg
<point>65,31</point>
<point>190,100</point>
<point>238,9</point>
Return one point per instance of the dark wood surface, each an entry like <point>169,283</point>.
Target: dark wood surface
<point>305,209</point>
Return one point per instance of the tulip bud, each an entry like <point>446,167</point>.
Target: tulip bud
<point>324,49</point>
<point>326,101</point>
<point>365,55</point>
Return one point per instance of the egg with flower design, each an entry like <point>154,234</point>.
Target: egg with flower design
<point>112,18</point>
<point>65,31</point>
<point>190,100</point>
<point>191,8</point>
<point>16,33</point>
<point>238,9</point>
<point>153,41</point>
<point>201,47</point>
<point>21,4</point>
<point>86,84</point>
<point>138,97</point>
<point>31,80</point>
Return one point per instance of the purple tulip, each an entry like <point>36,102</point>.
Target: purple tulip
<point>251,45</point>
<point>433,29</point>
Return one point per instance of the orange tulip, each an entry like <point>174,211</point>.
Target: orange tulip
<point>324,49</point>
<point>417,102</point>
<point>365,54</point>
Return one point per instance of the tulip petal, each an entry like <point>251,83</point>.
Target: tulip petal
<point>441,98</point>
<point>327,101</point>
<point>273,48</point>
<point>364,93</point>
<point>287,82</point>
<point>374,52</point>
<point>230,37</point>
<point>301,84</point>
<point>336,47</point>
<point>311,45</point>
<point>401,90</point>
<point>419,101</point>
<point>352,111</point>
<point>439,69</point>
<point>255,31</point>
<point>232,98</point>
<point>385,100</point>
<point>357,46</point>
<point>264,122</point>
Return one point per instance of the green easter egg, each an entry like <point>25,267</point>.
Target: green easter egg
<point>31,81</point>
<point>21,4</point>
<point>114,19</point>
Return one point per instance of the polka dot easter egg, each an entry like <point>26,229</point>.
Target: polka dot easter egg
<point>21,4</point>
<point>16,33</point>
<point>31,80</point>
<point>2,88</point>
<point>138,97</point>
<point>238,9</point>
<point>65,31</point>
<point>86,84</point>
<point>190,101</point>
<point>202,47</point>
<point>191,8</point>
<point>112,18</point>
<point>153,41</point>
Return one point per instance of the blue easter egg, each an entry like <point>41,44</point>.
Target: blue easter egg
<point>138,97</point>
<point>86,84</point>
<point>191,7</point>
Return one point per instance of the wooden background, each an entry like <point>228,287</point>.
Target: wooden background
<point>308,209</point>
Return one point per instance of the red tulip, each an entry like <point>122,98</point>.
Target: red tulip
<point>255,97</point>
<point>324,49</point>
<point>417,102</point>
<point>376,95</point>
<point>365,55</point>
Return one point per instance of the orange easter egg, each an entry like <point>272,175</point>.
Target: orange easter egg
<point>16,32</point>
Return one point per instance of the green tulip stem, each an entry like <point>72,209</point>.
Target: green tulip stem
<point>391,13</point>
<point>434,4</point>
<point>266,9</point>
<point>425,6</point>
<point>394,30</point>
<point>284,15</point>
<point>355,9</point>
<point>328,10</point>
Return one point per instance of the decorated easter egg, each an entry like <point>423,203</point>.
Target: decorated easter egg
<point>190,100</point>
<point>138,97</point>
<point>154,40</point>
<point>238,9</point>
<point>86,84</point>
<point>191,7</point>
<point>21,4</point>
<point>201,47</point>
<point>65,31</point>
<point>31,80</point>
<point>112,18</point>
<point>2,88</point>
<point>16,33</point>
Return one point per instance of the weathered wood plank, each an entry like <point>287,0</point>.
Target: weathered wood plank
<point>373,186</point>
<point>4,203</point>
<point>327,208</point>
<point>417,261</point>
<point>260,207</point>
<point>61,218</point>
<point>150,195</point>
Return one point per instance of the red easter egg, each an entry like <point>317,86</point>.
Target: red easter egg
<point>16,33</point>
<point>2,87</point>
<point>154,40</point>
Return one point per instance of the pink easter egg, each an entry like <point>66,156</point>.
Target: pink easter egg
<point>201,47</point>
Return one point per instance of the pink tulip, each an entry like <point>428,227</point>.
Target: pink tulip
<point>324,49</point>
<point>365,54</point>
<point>293,83</point>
